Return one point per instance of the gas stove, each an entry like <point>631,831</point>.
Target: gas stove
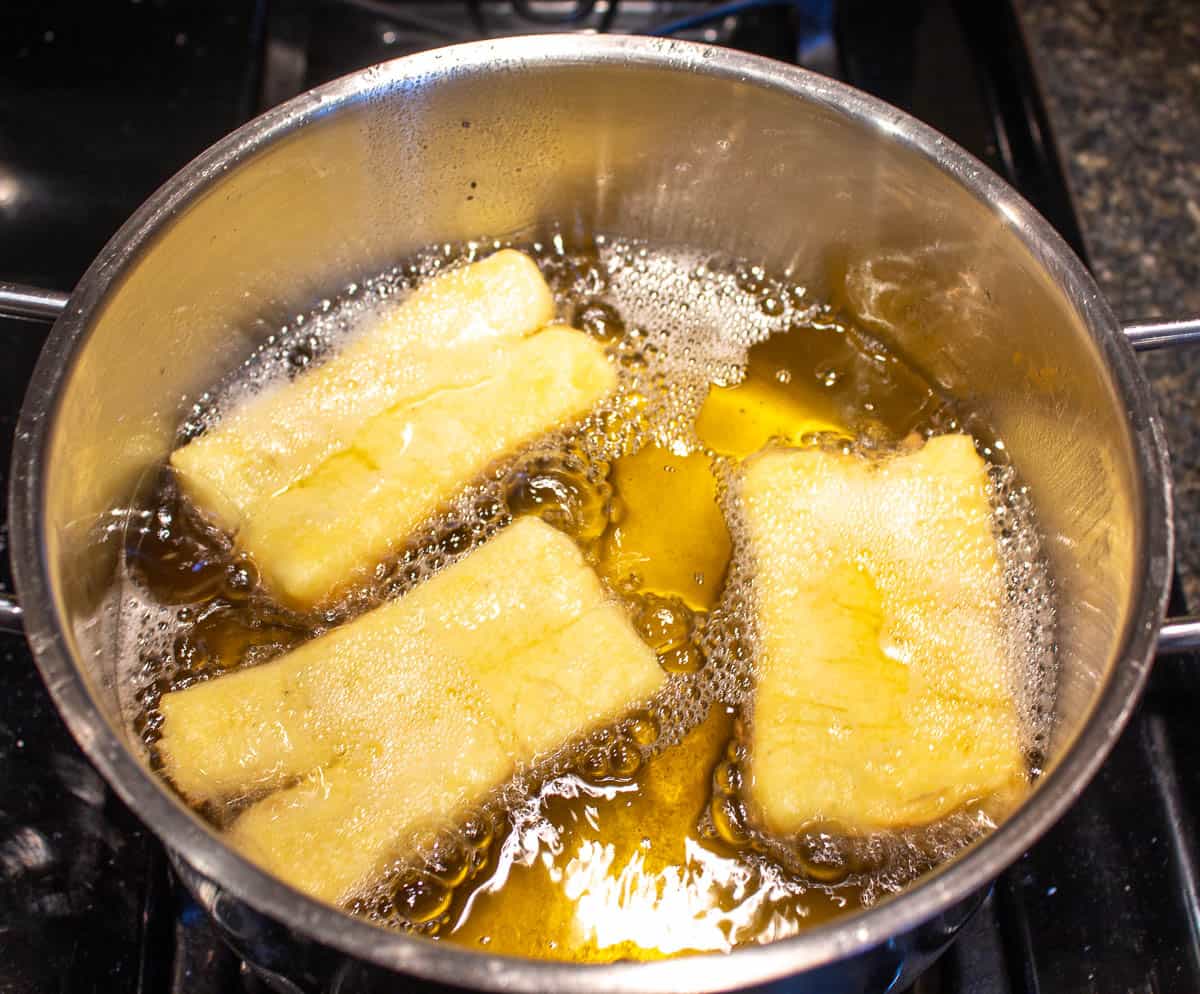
<point>101,103</point>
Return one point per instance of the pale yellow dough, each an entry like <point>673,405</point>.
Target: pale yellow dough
<point>885,694</point>
<point>321,478</point>
<point>400,721</point>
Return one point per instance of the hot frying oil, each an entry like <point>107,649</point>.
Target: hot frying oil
<point>634,842</point>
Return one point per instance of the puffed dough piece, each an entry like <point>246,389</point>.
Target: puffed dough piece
<point>321,478</point>
<point>399,722</point>
<point>885,695</point>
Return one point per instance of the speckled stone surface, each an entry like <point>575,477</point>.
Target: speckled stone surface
<point>1122,82</point>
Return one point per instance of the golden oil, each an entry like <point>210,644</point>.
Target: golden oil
<point>635,843</point>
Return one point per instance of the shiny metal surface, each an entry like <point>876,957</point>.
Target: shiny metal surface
<point>1180,635</point>
<point>667,141</point>
<point>11,616</point>
<point>1145,336</point>
<point>17,300</point>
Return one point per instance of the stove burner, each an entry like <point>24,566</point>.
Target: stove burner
<point>309,44</point>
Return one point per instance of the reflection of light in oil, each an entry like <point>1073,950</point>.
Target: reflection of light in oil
<point>675,910</point>
<point>596,873</point>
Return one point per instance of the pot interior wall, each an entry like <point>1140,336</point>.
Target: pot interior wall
<point>350,184</point>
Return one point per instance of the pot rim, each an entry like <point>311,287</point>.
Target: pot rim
<point>203,850</point>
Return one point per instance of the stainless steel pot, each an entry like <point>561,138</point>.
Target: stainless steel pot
<point>675,143</point>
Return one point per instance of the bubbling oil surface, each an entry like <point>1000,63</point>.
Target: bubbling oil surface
<point>634,842</point>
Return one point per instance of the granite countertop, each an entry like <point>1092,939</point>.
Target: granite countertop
<point>1121,79</point>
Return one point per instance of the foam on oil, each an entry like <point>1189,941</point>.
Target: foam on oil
<point>644,822</point>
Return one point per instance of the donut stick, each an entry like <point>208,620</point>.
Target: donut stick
<point>884,696</point>
<point>391,727</point>
<point>320,478</point>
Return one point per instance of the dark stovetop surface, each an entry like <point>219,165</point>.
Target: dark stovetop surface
<point>101,103</point>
